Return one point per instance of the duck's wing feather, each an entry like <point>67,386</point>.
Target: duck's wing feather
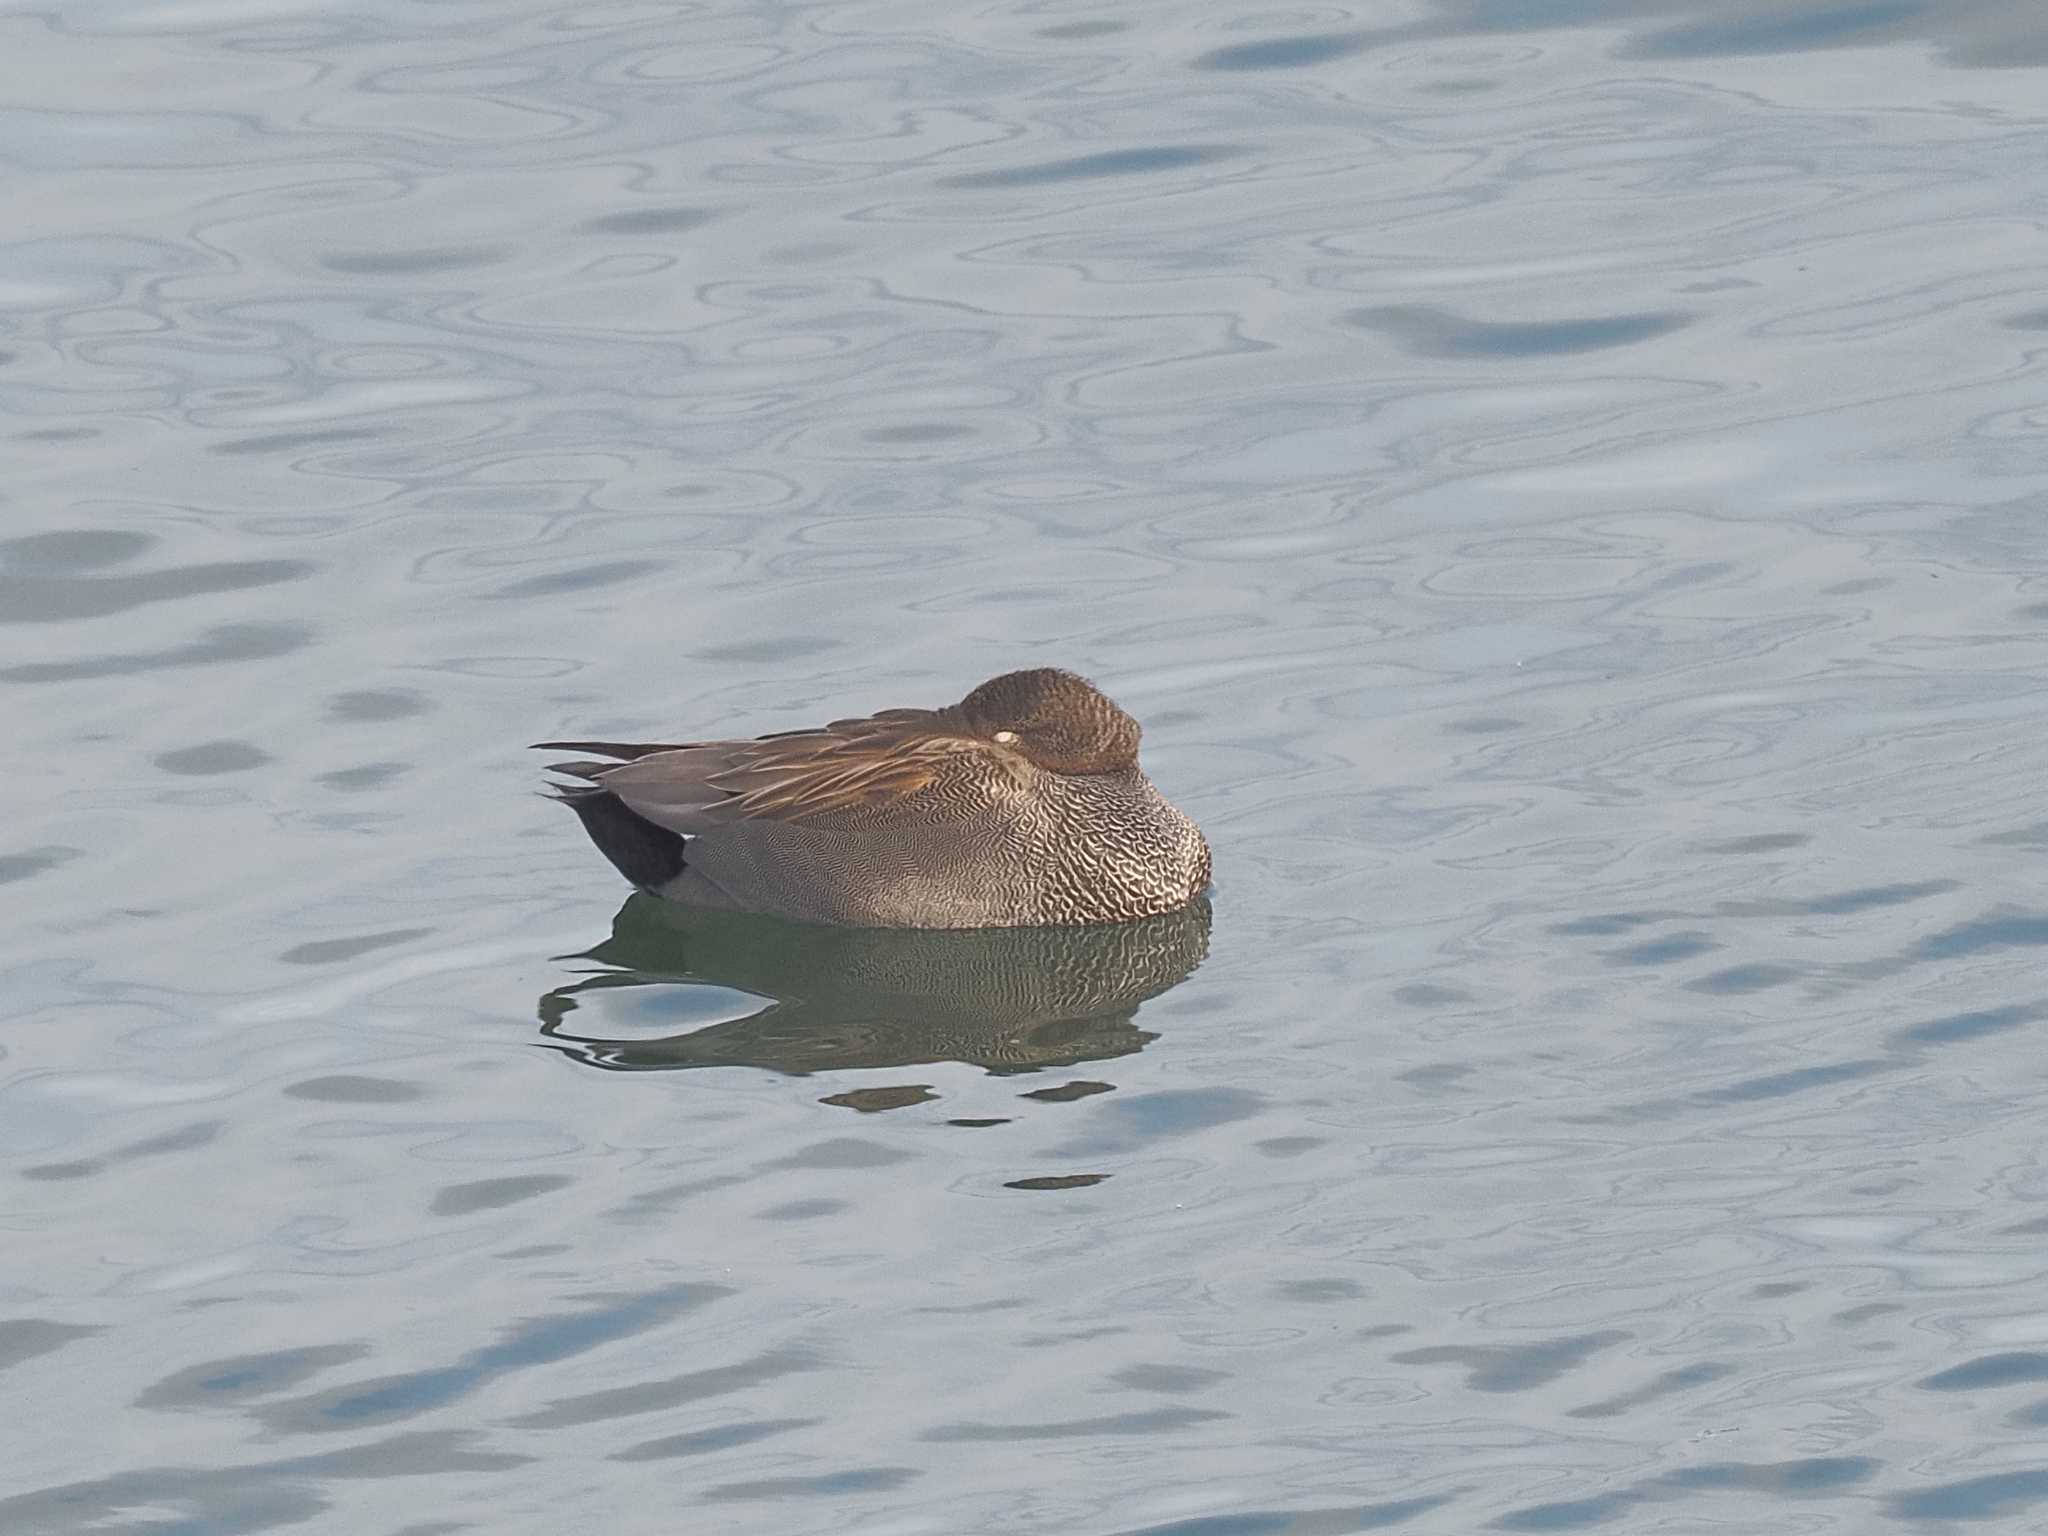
<point>845,768</point>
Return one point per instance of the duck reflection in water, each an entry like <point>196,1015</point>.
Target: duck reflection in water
<point>1005,999</point>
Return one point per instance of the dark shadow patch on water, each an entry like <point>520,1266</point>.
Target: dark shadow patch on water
<point>701,1442</point>
<point>541,1341</point>
<point>1845,903</point>
<point>364,706</point>
<point>47,579</point>
<point>1606,925</point>
<point>1664,951</point>
<point>1683,1379</point>
<point>668,1392</point>
<point>1697,574</point>
<point>752,652</point>
<point>1775,32</point>
<point>1319,1292</point>
<point>1168,1378</point>
<point>494,1194</point>
<point>1288,1146</point>
<point>238,1500</point>
<point>1788,1479</point>
<point>1762,842</point>
<point>1150,1421</point>
<point>361,777</point>
<point>672,220</point>
<point>1515,1367</point>
<point>1423,331</point>
<point>1570,1514</point>
<point>214,1383</point>
<point>334,951</point>
<point>1958,1027</point>
<point>65,551</point>
<point>2034,835</point>
<point>1434,1076</point>
<point>410,263</point>
<point>1149,161</point>
<point>1427,994</point>
<point>1870,897</point>
<point>583,579</point>
<point>2013,930</point>
<point>807,1210</point>
<point>840,1153</point>
<point>1298,1522</point>
<point>228,642</point>
<point>831,1485</point>
<point>292,442</point>
<point>919,432</point>
<point>1806,1477</point>
<point>2000,1370</point>
<point>1972,1498</point>
<point>346,1088</point>
<point>83,1168</point>
<point>1993,35</point>
<point>1288,52</point>
<point>1780,1085</point>
<point>24,1338</point>
<point>205,758</point>
<point>30,862</point>
<point>1076,29</point>
<point>186,1138</point>
<point>1738,980</point>
<point>1748,1090</point>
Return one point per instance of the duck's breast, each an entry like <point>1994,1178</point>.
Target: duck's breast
<point>1126,852</point>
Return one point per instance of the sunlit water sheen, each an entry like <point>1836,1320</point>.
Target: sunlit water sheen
<point>1563,486</point>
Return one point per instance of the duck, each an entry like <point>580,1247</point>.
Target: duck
<point>1022,805</point>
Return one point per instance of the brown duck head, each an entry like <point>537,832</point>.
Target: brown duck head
<point>1061,722</point>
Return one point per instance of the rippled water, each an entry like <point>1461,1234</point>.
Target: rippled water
<point>1563,486</point>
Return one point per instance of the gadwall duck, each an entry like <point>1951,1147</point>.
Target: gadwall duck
<point>1021,806</point>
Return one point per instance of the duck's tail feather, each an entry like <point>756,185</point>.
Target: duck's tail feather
<point>624,750</point>
<point>645,854</point>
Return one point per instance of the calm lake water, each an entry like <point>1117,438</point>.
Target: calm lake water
<point>1564,486</point>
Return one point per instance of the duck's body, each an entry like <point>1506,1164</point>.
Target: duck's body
<point>1023,805</point>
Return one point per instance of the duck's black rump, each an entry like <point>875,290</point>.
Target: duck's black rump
<point>645,854</point>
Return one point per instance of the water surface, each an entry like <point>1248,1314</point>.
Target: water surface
<point>1561,485</point>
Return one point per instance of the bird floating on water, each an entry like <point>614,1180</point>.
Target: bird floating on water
<point>1022,805</point>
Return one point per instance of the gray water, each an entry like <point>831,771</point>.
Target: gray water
<point>1564,488</point>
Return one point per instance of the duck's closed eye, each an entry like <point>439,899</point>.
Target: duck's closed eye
<point>1005,737</point>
